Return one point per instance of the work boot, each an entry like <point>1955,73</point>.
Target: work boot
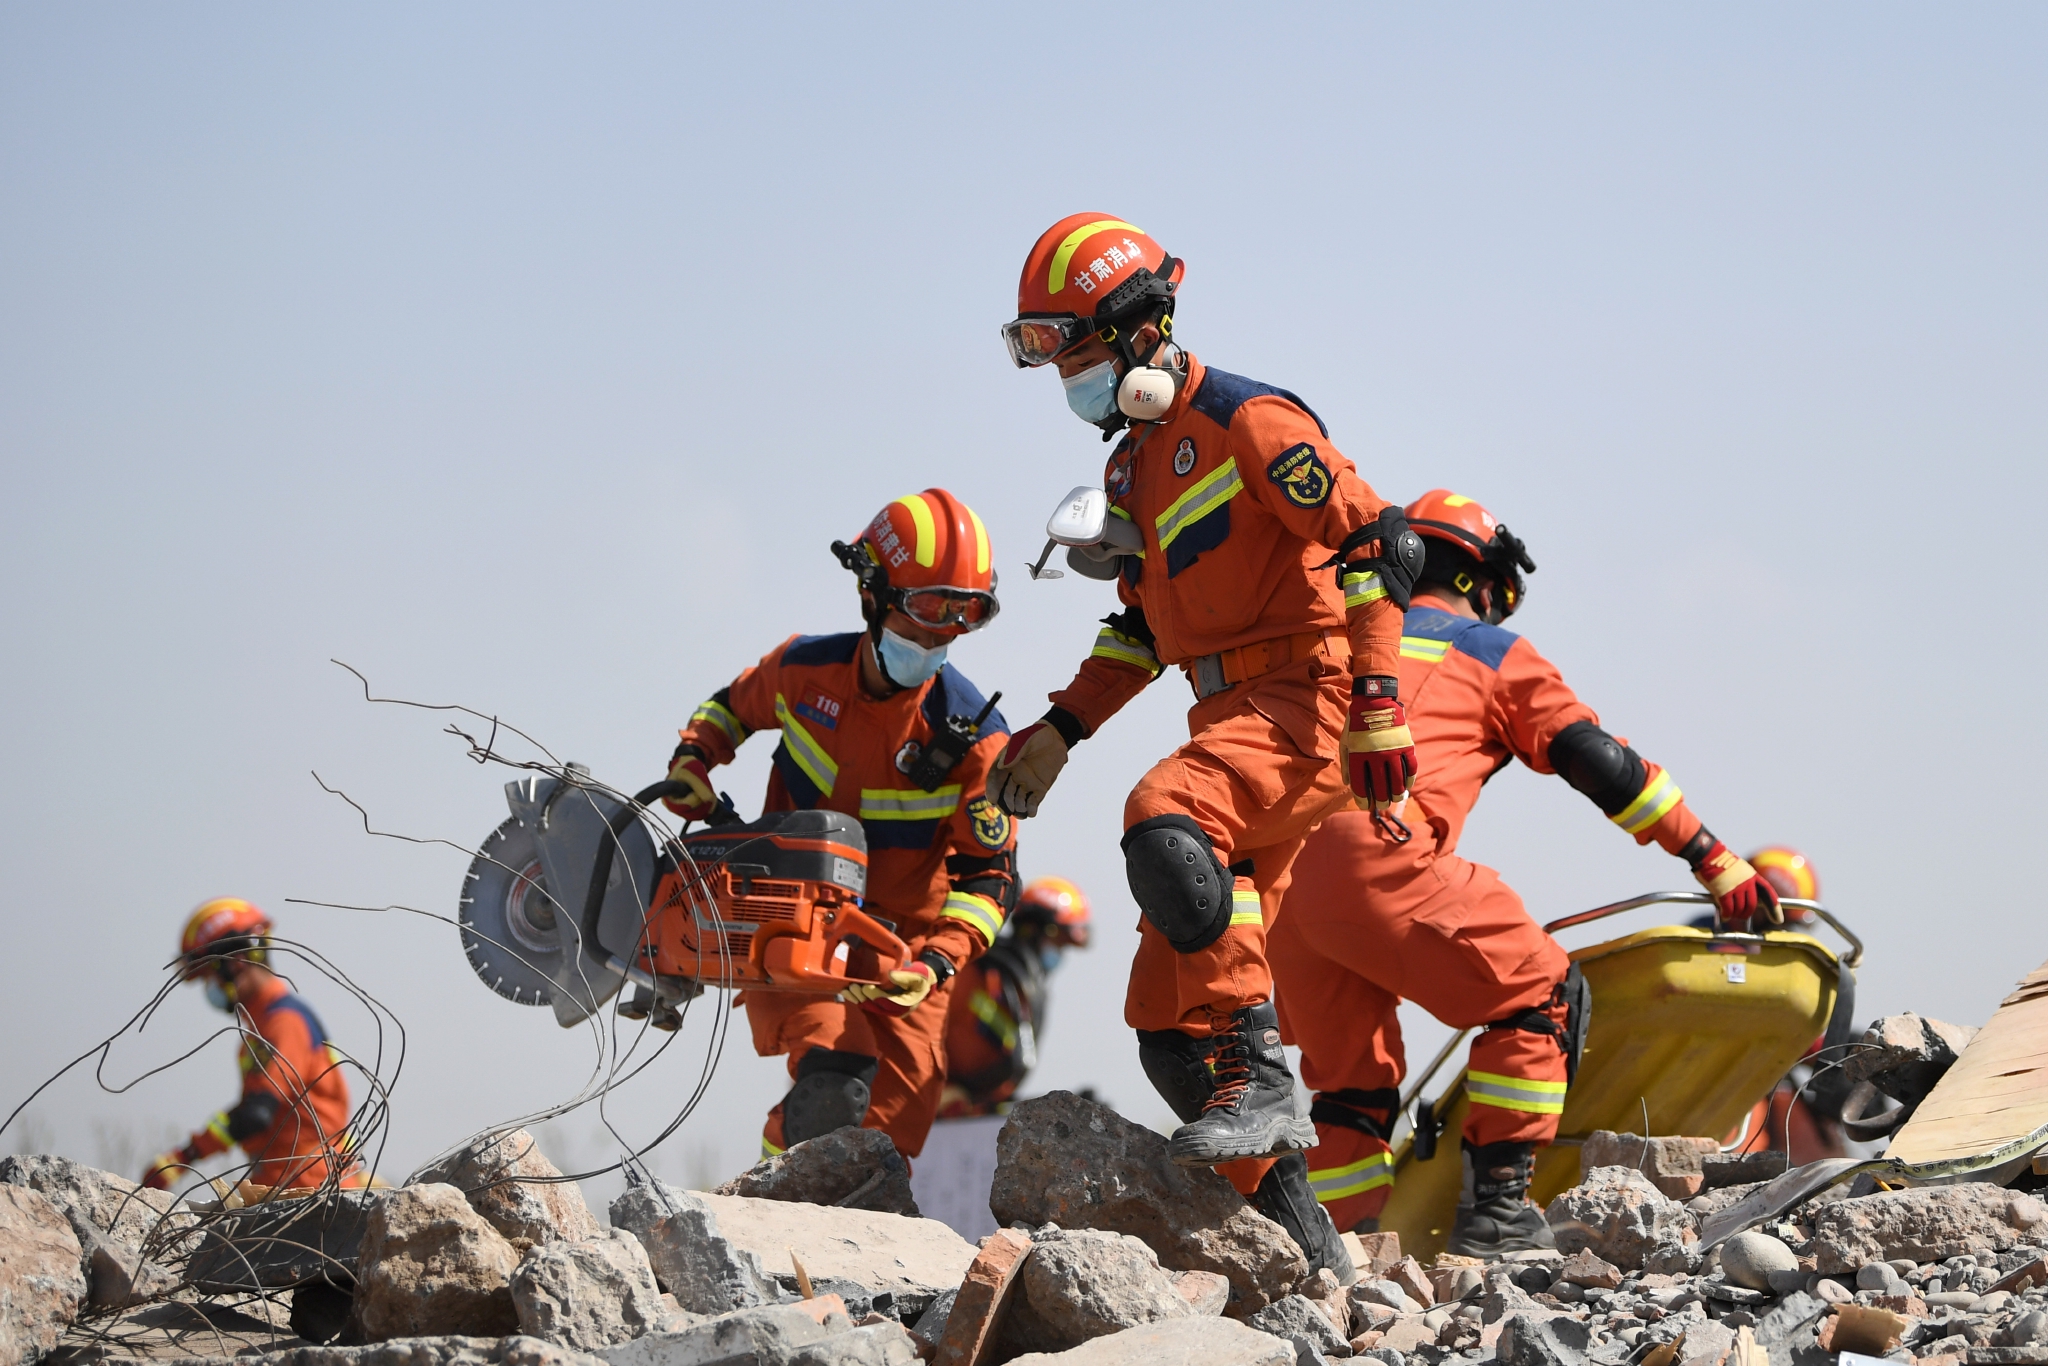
<point>1284,1197</point>
<point>1495,1216</point>
<point>1252,1112</point>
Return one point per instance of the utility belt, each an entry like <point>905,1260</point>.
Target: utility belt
<point>1211,674</point>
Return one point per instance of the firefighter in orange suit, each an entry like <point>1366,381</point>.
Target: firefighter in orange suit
<point>876,724</point>
<point>292,1118</point>
<point>1369,921</point>
<point>1272,574</point>
<point>999,1009</point>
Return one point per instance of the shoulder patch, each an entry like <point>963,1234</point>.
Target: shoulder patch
<point>990,822</point>
<point>1301,475</point>
<point>1428,634</point>
<point>822,649</point>
<point>1223,393</point>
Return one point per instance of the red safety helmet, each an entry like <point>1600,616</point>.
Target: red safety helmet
<point>224,927</point>
<point>1086,275</point>
<point>1057,908</point>
<point>1788,871</point>
<point>928,556</point>
<point>1459,521</point>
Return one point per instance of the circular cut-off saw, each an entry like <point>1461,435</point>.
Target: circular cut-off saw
<point>575,894</point>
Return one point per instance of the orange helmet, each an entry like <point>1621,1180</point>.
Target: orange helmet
<point>1086,275</point>
<point>1788,872</point>
<point>928,556</point>
<point>220,928</point>
<point>1058,908</point>
<point>1459,522</point>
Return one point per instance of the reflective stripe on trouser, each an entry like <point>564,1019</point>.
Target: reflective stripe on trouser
<point>1515,1093</point>
<point>1254,791</point>
<point>1515,1083</point>
<point>909,1050</point>
<point>1351,1173</point>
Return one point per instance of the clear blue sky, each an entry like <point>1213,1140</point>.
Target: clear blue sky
<point>529,357</point>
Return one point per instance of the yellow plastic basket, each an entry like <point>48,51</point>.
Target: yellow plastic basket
<point>1693,1026</point>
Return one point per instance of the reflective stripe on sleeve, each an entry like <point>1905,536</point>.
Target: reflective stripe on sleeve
<point>908,803</point>
<point>990,1012</point>
<point>1115,645</point>
<point>1515,1093</point>
<point>1658,796</point>
<point>218,1127</point>
<point>810,756</point>
<point>1423,648</point>
<point>769,1149</point>
<point>1208,493</point>
<point>712,714</point>
<point>1244,907</point>
<point>1361,588</point>
<point>1356,1178</point>
<point>977,911</point>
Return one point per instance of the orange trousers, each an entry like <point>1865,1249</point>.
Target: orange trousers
<point>909,1051</point>
<point>1257,773</point>
<point>1455,940</point>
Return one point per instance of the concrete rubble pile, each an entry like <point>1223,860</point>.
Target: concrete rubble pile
<point>1110,1256</point>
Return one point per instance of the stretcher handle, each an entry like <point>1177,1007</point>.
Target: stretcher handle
<point>1854,960</point>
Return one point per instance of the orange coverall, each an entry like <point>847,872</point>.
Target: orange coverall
<point>291,1075</point>
<point>1369,921</point>
<point>1239,496</point>
<point>940,864</point>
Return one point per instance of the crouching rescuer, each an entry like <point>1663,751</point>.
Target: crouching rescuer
<point>1274,577</point>
<point>292,1117</point>
<point>877,725</point>
<point>1369,921</point>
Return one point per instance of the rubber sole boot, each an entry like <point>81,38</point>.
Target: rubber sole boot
<point>1284,1197</point>
<point>1496,1217</point>
<point>1252,1111</point>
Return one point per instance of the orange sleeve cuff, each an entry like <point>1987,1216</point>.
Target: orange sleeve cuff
<point>1673,830</point>
<point>1100,689</point>
<point>1375,631</point>
<point>952,938</point>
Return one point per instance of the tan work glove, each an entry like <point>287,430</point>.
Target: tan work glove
<point>902,993</point>
<point>1020,779</point>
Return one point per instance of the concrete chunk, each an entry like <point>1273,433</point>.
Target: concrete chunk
<point>1082,1284</point>
<point>852,1167</point>
<point>509,1181</point>
<point>690,1255</point>
<point>1184,1342</point>
<point>1297,1316</point>
<point>431,1265</point>
<point>588,1295</point>
<point>1617,1213</point>
<point>908,1257</point>
<point>770,1333</point>
<point>1065,1160</point>
<point>1926,1224</point>
<point>41,1282</point>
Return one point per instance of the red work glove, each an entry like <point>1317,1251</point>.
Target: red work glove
<point>902,993</point>
<point>688,768</point>
<point>1379,753</point>
<point>1739,891</point>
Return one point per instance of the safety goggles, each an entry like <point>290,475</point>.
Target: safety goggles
<point>1034,341</point>
<point>948,609</point>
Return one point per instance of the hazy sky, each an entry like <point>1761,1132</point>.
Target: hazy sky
<point>529,358</point>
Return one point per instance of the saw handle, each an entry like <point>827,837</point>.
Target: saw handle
<point>615,829</point>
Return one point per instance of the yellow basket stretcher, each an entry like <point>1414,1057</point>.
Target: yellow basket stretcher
<point>1688,1029</point>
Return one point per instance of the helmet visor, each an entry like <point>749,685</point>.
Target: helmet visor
<point>1035,341</point>
<point>948,609</point>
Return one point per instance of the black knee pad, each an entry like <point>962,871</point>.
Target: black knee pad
<point>1178,882</point>
<point>1178,1068</point>
<point>831,1092</point>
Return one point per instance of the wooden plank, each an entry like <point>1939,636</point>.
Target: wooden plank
<point>1997,1092</point>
